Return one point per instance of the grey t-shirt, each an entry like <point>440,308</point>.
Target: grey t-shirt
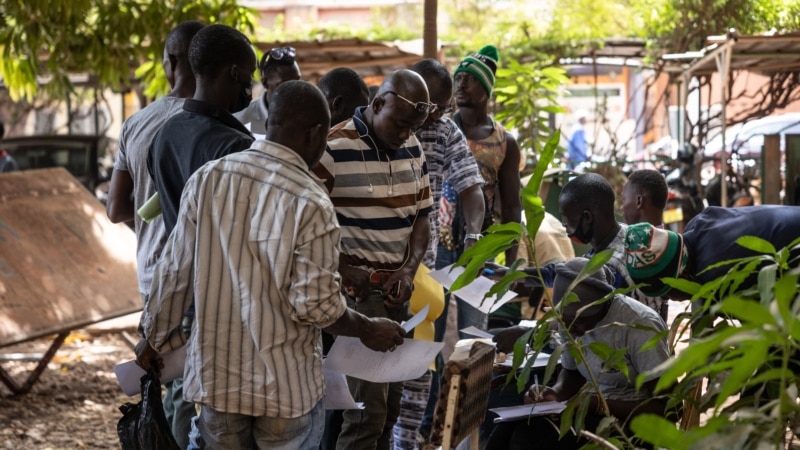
<point>134,143</point>
<point>254,116</point>
<point>613,383</point>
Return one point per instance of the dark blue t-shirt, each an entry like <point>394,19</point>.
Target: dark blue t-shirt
<point>202,132</point>
<point>711,236</point>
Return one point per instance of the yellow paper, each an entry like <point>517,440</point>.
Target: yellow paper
<point>426,292</point>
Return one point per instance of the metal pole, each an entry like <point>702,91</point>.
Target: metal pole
<point>96,115</point>
<point>681,111</point>
<point>69,113</point>
<point>723,60</point>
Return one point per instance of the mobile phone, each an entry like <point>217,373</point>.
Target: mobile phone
<point>395,291</point>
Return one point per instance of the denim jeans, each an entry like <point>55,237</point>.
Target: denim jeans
<point>179,412</point>
<point>219,430</point>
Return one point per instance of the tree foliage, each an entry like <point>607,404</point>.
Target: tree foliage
<point>386,24</point>
<point>659,20</point>
<point>528,94</point>
<point>569,28</point>
<point>106,39</point>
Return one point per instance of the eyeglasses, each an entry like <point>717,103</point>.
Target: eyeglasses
<point>420,107</point>
<point>446,109</point>
<point>278,53</point>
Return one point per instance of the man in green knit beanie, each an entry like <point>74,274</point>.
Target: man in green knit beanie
<point>496,150</point>
<point>482,65</point>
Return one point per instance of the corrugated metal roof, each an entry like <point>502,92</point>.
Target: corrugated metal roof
<point>766,54</point>
<point>368,58</point>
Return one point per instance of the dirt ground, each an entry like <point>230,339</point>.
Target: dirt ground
<point>74,405</point>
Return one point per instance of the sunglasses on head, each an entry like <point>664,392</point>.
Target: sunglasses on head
<point>420,107</point>
<point>278,53</point>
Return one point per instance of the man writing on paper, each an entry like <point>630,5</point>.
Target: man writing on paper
<point>608,322</point>
<point>256,247</point>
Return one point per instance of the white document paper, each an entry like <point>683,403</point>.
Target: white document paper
<point>412,323</point>
<point>477,332</point>
<point>129,375</point>
<point>337,394</point>
<point>474,292</point>
<point>541,360</point>
<point>407,362</point>
<point>523,411</point>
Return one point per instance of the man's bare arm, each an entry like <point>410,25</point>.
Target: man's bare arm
<point>508,179</point>
<point>119,206</point>
<point>474,209</point>
<point>377,333</point>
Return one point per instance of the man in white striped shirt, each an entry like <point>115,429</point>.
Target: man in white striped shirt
<point>256,247</point>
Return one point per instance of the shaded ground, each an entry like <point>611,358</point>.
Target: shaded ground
<point>74,403</point>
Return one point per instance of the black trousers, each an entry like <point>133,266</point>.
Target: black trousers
<point>541,432</point>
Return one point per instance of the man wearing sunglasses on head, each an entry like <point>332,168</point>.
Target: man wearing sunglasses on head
<point>276,66</point>
<point>377,178</point>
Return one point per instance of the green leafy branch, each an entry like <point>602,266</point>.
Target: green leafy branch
<point>43,43</point>
<point>752,350</point>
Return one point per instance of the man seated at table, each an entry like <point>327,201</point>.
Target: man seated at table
<point>609,322</point>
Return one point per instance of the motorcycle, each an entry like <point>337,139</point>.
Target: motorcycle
<point>683,200</point>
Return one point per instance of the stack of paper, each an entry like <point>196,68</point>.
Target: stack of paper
<point>474,292</point>
<point>524,411</point>
<point>541,360</point>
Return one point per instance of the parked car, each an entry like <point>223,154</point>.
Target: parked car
<point>78,154</point>
<point>747,139</point>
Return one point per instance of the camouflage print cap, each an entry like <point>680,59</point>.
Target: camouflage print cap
<point>652,254</point>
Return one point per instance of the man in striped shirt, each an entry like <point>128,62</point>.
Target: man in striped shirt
<point>377,178</point>
<point>256,247</point>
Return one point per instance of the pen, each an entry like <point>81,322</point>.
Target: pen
<point>488,272</point>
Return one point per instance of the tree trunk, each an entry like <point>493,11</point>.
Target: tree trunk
<point>429,32</point>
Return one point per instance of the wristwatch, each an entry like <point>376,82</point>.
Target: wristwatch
<point>473,236</point>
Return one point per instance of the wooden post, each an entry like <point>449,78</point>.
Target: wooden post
<point>792,197</point>
<point>770,170</point>
<point>450,413</point>
<point>430,33</point>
